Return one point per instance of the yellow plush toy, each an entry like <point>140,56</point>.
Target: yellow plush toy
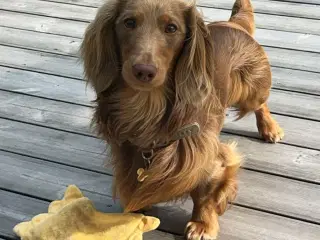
<point>75,218</point>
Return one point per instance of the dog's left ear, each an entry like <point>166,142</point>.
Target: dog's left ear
<point>195,67</point>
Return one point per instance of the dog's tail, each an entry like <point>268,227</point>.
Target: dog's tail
<point>243,15</point>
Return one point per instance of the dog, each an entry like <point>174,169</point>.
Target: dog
<point>164,79</point>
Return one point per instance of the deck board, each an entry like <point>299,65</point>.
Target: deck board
<point>67,45</point>
<point>86,14</point>
<point>25,106</point>
<point>76,118</point>
<point>75,29</point>
<point>68,66</point>
<point>49,180</point>
<point>72,90</point>
<point>270,7</point>
<point>283,58</point>
<point>47,144</point>
<point>261,6</point>
<point>299,163</point>
<point>296,127</point>
<point>240,223</point>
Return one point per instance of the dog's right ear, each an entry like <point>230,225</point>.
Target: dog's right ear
<point>99,51</point>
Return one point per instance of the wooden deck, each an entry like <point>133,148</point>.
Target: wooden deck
<point>46,142</point>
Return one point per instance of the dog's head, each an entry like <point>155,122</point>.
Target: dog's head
<point>145,43</point>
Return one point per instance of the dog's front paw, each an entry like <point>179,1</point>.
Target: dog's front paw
<point>270,130</point>
<point>199,231</point>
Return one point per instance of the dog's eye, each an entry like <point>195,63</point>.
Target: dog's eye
<point>171,28</point>
<point>130,23</point>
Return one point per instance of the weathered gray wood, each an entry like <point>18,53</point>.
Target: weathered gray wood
<point>270,7</point>
<point>300,1</point>
<point>74,91</point>
<point>57,146</point>
<point>290,24</point>
<point>31,146</point>
<point>289,40</point>
<point>87,14</point>
<point>38,61</point>
<point>237,223</point>
<point>16,208</point>
<point>46,112</point>
<point>97,3</point>
<point>76,118</point>
<point>42,24</point>
<point>299,163</point>
<point>296,80</point>
<point>298,132</point>
<point>62,115</point>
<point>260,6</point>
<point>262,227</point>
<point>294,59</point>
<point>88,3</point>
<point>281,159</point>
<point>51,9</point>
<point>257,190</point>
<point>71,67</point>
<point>40,41</point>
<point>48,181</point>
<point>42,85</point>
<point>75,29</point>
<point>295,104</point>
<point>70,46</point>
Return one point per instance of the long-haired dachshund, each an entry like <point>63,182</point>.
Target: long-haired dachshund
<point>164,80</point>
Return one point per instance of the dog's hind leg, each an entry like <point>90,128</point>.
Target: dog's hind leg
<point>268,128</point>
<point>250,93</point>
<point>211,198</point>
<point>242,14</point>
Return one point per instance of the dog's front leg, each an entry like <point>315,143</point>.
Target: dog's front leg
<point>204,222</point>
<point>211,197</point>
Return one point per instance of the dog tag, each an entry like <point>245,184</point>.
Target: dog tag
<point>141,177</point>
<point>187,131</point>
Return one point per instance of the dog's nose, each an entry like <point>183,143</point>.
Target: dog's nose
<point>143,72</point>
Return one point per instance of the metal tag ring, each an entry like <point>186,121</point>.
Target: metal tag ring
<point>148,155</point>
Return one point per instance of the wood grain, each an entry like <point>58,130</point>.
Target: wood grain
<point>235,219</point>
<point>283,23</point>
<point>256,190</point>
<point>301,1</point>
<point>43,62</point>
<point>82,13</point>
<point>57,146</point>
<point>270,7</point>
<point>298,163</point>
<point>284,8</point>
<point>42,85</point>
<point>40,41</point>
<point>42,24</point>
<point>237,224</point>
<point>74,29</point>
<point>67,66</point>
<point>298,132</point>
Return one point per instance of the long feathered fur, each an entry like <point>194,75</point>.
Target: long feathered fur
<point>209,73</point>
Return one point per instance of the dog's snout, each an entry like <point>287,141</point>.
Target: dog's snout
<point>143,72</point>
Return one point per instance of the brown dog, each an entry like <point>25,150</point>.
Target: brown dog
<point>163,81</point>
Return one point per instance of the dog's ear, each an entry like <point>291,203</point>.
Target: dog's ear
<point>99,50</point>
<point>195,67</point>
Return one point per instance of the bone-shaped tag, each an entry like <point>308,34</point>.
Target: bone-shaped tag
<point>141,176</point>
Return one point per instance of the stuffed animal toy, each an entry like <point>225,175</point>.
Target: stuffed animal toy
<point>75,218</point>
